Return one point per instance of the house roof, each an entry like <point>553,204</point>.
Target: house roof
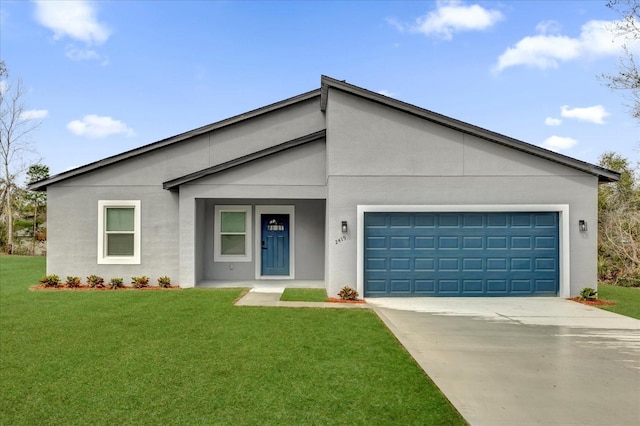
<point>604,175</point>
<point>175,183</point>
<point>41,185</point>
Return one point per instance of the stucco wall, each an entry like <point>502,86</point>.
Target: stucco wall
<point>73,203</point>
<point>405,160</point>
<point>72,232</point>
<point>309,240</point>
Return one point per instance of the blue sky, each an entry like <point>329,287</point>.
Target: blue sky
<point>108,76</point>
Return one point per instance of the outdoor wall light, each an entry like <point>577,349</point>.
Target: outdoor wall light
<point>582,225</point>
<point>344,227</point>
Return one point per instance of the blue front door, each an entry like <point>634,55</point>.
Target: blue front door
<point>275,244</point>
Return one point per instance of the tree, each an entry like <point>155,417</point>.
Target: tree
<point>15,128</point>
<point>628,76</point>
<point>619,223</point>
<point>36,199</point>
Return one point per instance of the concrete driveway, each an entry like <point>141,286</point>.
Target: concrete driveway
<point>523,361</point>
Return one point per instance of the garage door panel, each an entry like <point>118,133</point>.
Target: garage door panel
<point>400,286</point>
<point>544,243</point>
<point>396,243</point>
<point>400,264</point>
<point>472,264</point>
<point>521,286</point>
<point>548,220</point>
<point>424,287</point>
<point>496,286</point>
<point>518,243</point>
<point>461,254</point>
<point>424,264</point>
<point>469,243</point>
<point>545,285</point>
<point>472,286</point>
<point>376,242</point>
<point>448,243</point>
<point>496,243</point>
<point>425,243</point>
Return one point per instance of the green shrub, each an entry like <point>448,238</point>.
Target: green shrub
<point>115,283</point>
<point>95,281</point>
<point>73,282</point>
<point>588,293</point>
<point>140,282</point>
<point>164,282</point>
<point>628,282</point>
<point>50,281</point>
<point>347,293</point>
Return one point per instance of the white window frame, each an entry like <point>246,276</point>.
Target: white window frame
<point>217,246</point>
<point>103,259</point>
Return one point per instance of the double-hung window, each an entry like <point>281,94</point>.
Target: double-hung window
<point>119,232</point>
<point>232,229</point>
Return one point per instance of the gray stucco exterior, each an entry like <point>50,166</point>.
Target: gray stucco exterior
<point>325,157</point>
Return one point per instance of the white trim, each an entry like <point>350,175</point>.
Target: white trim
<point>217,254</point>
<point>563,231</point>
<point>102,257</point>
<point>275,209</point>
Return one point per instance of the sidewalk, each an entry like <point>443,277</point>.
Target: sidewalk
<point>271,297</point>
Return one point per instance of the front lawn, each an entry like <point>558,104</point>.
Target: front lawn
<point>304,295</point>
<point>627,299</point>
<point>191,357</point>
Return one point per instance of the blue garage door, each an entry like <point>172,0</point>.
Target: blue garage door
<point>461,254</point>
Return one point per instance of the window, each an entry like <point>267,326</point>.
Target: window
<point>119,232</point>
<point>232,228</point>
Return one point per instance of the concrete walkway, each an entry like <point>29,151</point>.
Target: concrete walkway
<point>270,296</point>
<point>533,361</point>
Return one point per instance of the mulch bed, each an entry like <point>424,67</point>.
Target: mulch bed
<point>592,302</point>
<point>337,300</point>
<point>85,288</point>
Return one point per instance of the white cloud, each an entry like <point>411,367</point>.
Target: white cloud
<point>34,114</point>
<point>3,86</point>
<point>74,19</point>
<point>386,93</point>
<point>548,51</point>
<point>95,126</point>
<point>452,16</point>
<point>558,143</point>
<point>78,54</point>
<point>594,114</point>
<point>394,22</point>
<point>548,27</point>
<point>550,121</point>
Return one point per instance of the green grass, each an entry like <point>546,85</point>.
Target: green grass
<point>304,295</point>
<point>191,357</point>
<point>627,299</point>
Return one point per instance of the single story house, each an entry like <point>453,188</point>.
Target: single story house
<point>341,186</point>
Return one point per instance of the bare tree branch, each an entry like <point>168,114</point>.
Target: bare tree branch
<point>15,145</point>
<point>628,78</point>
